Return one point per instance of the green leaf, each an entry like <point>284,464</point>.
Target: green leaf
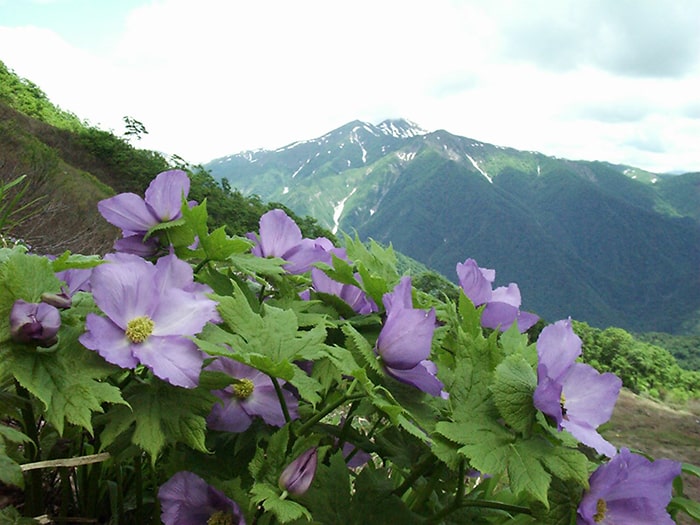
<point>68,260</point>
<point>689,506</point>
<point>10,470</point>
<point>65,381</point>
<point>361,349</point>
<point>24,277</point>
<point>285,510</point>
<point>161,414</point>
<point>11,516</point>
<point>218,246</point>
<point>514,384</point>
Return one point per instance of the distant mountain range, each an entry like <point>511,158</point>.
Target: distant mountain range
<point>608,244</point>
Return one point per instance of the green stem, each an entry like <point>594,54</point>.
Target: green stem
<point>280,396</point>
<point>330,408</point>
<point>201,265</point>
<point>421,468</point>
<point>484,504</point>
<point>34,505</point>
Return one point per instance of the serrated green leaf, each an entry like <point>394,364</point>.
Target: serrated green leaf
<point>361,349</point>
<point>68,388</point>
<point>11,516</point>
<point>218,246</point>
<point>10,470</point>
<point>161,414</point>
<point>285,510</point>
<point>526,473</point>
<point>26,277</point>
<point>513,387</point>
<point>68,260</point>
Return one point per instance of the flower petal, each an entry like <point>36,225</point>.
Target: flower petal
<point>178,312</point>
<point>475,281</point>
<point>228,416</point>
<point>422,376</point>
<point>165,193</point>
<point>558,347</point>
<point>123,289</point>
<point>173,359</point>
<point>406,337</point>
<point>263,402</point>
<point>108,340</point>
<point>278,233</point>
<point>129,212</point>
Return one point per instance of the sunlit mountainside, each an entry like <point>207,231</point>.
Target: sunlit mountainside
<point>604,243</point>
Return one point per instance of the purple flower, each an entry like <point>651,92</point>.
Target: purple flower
<point>405,339</point>
<point>476,282</point>
<point>162,202</point>
<point>575,395</point>
<point>296,478</point>
<point>357,299</point>
<point>77,280</point>
<point>629,490</point>
<point>253,394</point>
<point>150,312</point>
<point>186,499</point>
<point>502,304</point>
<point>281,237</point>
<point>35,323</point>
<point>407,334</point>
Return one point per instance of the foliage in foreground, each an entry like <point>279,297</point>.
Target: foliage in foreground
<point>278,379</point>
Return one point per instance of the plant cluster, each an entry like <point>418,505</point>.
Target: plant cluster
<point>195,377</point>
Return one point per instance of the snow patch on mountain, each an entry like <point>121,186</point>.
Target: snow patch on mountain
<point>338,211</point>
<point>478,168</point>
<point>401,128</point>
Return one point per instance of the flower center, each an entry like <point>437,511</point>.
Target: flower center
<point>243,388</point>
<point>139,328</point>
<point>220,518</point>
<point>601,508</point>
<point>562,402</point>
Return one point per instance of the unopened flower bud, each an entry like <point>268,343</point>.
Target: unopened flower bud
<point>36,323</point>
<point>59,300</point>
<point>297,477</point>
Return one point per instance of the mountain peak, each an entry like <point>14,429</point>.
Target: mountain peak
<point>401,128</point>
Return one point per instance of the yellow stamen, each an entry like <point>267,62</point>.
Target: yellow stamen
<point>243,388</point>
<point>139,329</point>
<point>601,508</point>
<point>220,518</point>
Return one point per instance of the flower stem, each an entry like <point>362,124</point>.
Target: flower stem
<point>303,429</point>
<point>280,396</point>
<point>34,504</point>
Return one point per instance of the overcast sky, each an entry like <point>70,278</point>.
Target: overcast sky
<point>614,80</point>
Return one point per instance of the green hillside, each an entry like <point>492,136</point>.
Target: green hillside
<point>608,244</point>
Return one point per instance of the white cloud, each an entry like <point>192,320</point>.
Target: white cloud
<point>214,77</point>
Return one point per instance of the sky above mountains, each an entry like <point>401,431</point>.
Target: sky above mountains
<point>595,80</point>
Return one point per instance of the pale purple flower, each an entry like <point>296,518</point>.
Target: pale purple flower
<point>186,499</point>
<point>355,297</point>
<point>502,304</point>
<point>475,281</point>
<point>150,312</point>
<point>162,202</point>
<point>575,395</point>
<point>405,339</point>
<point>35,323</point>
<point>280,237</point>
<point>504,308</point>
<point>629,490</point>
<point>297,477</point>
<point>253,394</point>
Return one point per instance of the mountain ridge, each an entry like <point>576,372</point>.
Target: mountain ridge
<point>586,226</point>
